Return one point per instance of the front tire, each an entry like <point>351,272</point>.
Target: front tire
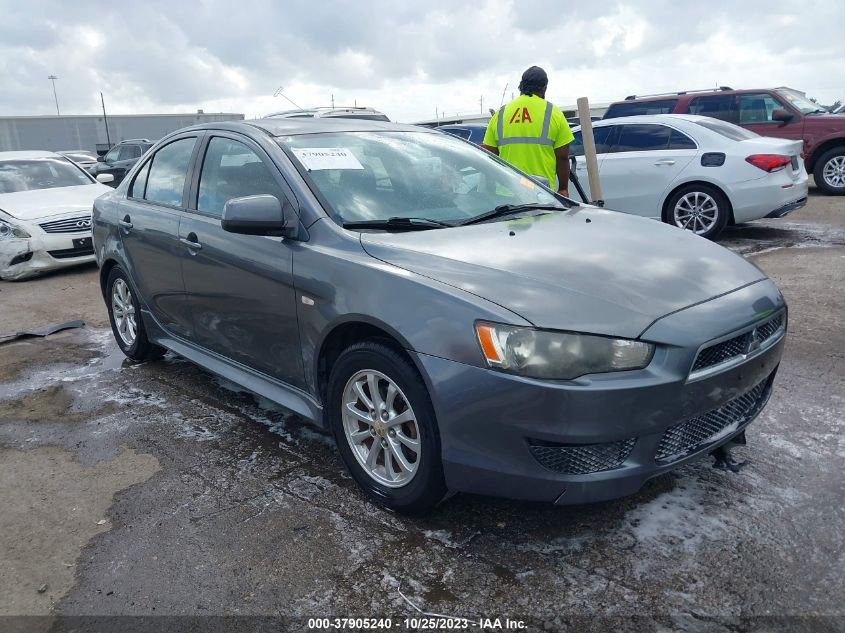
<point>699,208</point>
<point>829,172</point>
<point>125,318</point>
<point>384,424</point>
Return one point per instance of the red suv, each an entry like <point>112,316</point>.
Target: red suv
<point>780,112</point>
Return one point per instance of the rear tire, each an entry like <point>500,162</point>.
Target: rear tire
<point>397,464</point>
<point>699,208</point>
<point>829,172</point>
<point>125,318</point>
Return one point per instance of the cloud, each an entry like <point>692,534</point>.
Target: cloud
<point>404,58</point>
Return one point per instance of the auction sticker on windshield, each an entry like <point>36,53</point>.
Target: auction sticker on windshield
<point>320,158</point>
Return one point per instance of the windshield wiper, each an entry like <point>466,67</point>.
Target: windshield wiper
<point>397,223</point>
<point>509,209</point>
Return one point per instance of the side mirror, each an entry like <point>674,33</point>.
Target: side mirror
<point>101,159</point>
<point>784,116</point>
<point>105,178</point>
<point>259,215</point>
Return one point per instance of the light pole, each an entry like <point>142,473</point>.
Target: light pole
<point>53,79</point>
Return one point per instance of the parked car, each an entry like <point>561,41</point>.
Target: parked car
<point>779,112</point>
<point>81,157</point>
<point>120,159</point>
<point>356,112</point>
<point>45,213</point>
<point>698,173</point>
<point>472,132</point>
<point>455,325</point>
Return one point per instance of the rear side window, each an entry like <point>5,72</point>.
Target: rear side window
<point>642,138</point>
<point>602,135</point>
<point>679,140</point>
<point>717,106</point>
<point>728,130</point>
<point>136,190</point>
<point>232,170</point>
<point>634,108</point>
<point>168,171</point>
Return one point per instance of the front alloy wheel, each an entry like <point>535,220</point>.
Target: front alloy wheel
<point>381,428</point>
<point>380,412</point>
<point>833,173</point>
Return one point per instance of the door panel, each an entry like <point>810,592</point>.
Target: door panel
<point>755,114</point>
<point>240,287</point>
<point>149,231</point>
<point>638,172</point>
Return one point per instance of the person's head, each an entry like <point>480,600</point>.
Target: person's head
<point>534,82</point>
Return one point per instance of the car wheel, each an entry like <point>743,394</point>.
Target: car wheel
<point>384,424</point>
<point>701,209</point>
<point>125,317</point>
<point>829,172</point>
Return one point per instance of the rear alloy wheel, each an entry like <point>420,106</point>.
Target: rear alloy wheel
<point>125,317</point>
<point>829,172</point>
<point>698,208</point>
<point>382,419</point>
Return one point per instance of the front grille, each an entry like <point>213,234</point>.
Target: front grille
<point>581,459</point>
<point>67,253</point>
<point>738,345</point>
<point>80,224</point>
<point>690,434</point>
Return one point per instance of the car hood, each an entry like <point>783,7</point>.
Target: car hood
<point>44,203</point>
<point>586,269</point>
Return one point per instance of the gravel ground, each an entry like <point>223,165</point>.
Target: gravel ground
<point>157,490</point>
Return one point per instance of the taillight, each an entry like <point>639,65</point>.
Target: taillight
<point>769,162</point>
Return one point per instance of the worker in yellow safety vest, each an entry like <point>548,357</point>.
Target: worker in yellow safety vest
<point>531,133</point>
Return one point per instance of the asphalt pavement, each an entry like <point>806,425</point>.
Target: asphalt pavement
<point>157,496</point>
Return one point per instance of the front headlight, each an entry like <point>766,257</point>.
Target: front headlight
<point>9,230</point>
<point>557,355</point>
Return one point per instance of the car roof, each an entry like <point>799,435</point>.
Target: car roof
<point>651,118</point>
<point>297,126</point>
<point>691,94</point>
<point>23,155</point>
<point>452,126</point>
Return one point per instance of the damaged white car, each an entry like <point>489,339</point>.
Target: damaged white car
<point>45,213</point>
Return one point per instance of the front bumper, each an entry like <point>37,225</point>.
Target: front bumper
<point>491,423</point>
<point>21,258</point>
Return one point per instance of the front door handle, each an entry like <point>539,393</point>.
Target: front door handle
<point>664,163</point>
<point>126,222</point>
<point>191,242</point>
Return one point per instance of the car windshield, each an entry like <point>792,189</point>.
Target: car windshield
<point>372,176</point>
<point>40,173</point>
<point>799,101</point>
<point>80,156</point>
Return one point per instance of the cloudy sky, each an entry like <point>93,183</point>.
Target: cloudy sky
<point>408,59</point>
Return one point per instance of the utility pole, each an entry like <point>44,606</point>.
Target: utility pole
<point>502,102</point>
<point>105,120</point>
<point>332,101</point>
<point>481,104</point>
<point>53,79</point>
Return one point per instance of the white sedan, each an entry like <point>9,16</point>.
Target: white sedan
<point>45,213</point>
<point>695,172</point>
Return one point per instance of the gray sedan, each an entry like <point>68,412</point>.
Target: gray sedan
<point>455,325</point>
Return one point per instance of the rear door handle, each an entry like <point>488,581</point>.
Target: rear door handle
<point>664,162</point>
<point>191,242</point>
<point>126,222</point>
